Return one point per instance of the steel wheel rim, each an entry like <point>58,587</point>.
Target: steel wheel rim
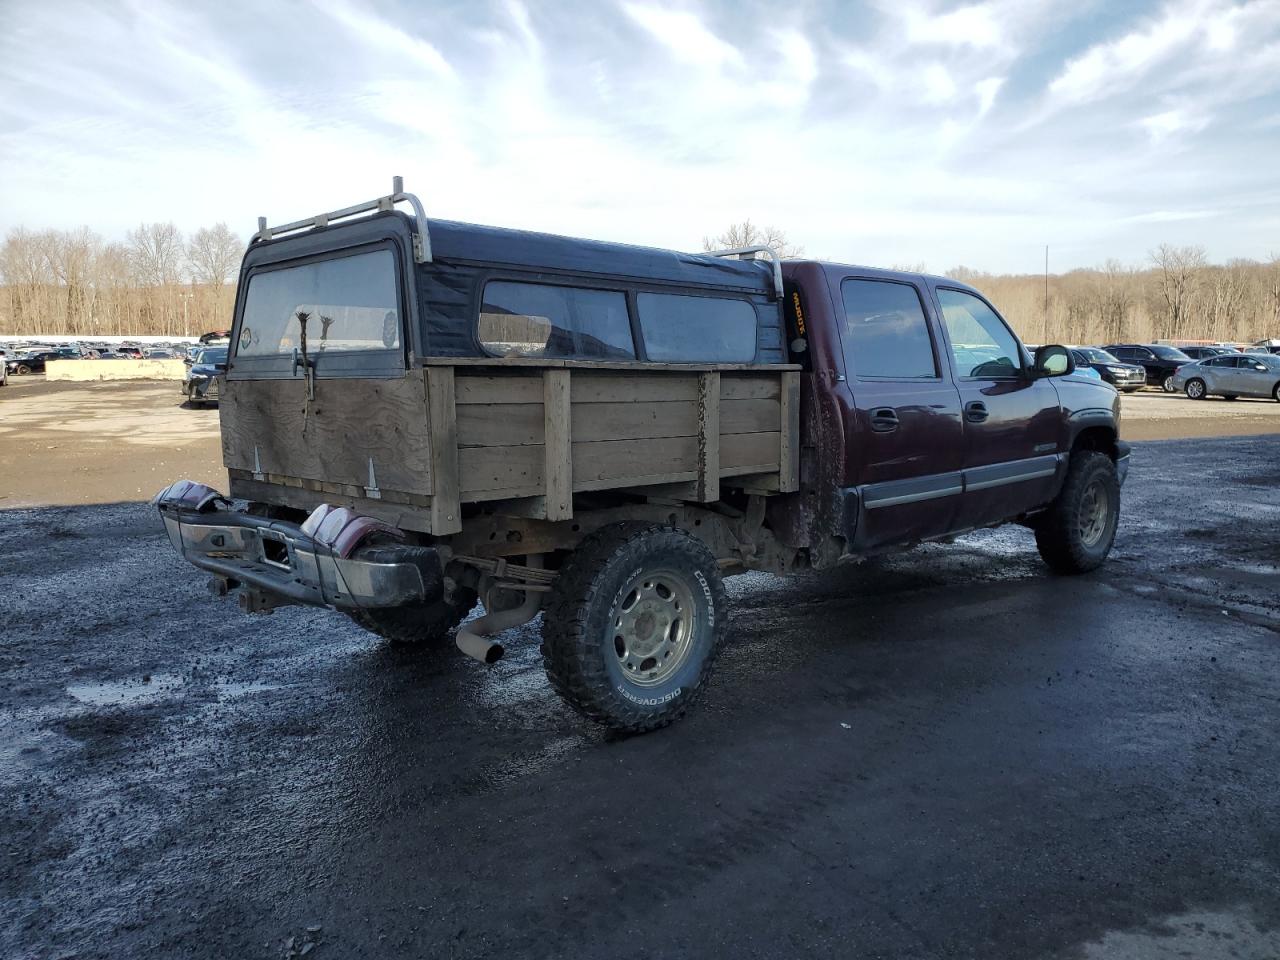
<point>1094,513</point>
<point>652,627</point>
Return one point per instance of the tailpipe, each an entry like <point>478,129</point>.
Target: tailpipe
<point>474,638</point>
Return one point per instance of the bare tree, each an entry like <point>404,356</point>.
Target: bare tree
<point>1114,298</point>
<point>213,254</point>
<point>747,234</point>
<point>1179,270</point>
<point>157,253</point>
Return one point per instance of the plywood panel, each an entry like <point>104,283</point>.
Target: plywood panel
<point>557,464</point>
<point>624,460</point>
<point>658,386</point>
<point>334,437</point>
<point>748,416</point>
<point>634,421</point>
<point>499,424</point>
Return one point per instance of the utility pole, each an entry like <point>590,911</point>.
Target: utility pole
<point>186,323</point>
<point>1045,337</point>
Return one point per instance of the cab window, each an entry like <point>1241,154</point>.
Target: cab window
<point>981,345</point>
<point>886,334</point>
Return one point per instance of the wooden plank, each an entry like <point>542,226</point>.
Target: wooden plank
<point>621,461</point>
<point>446,506</point>
<point>634,421</point>
<point>681,476</point>
<point>510,363</point>
<point>748,416</point>
<point>708,483</point>
<point>648,387</point>
<point>789,455</point>
<point>759,451</point>
<point>742,387</point>
<point>268,426</point>
<point>557,427</point>
<point>474,388</point>
<point>500,424</point>
<point>497,470</point>
<point>398,515</point>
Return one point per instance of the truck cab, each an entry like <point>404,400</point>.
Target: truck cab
<point>418,414</point>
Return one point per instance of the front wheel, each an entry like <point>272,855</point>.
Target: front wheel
<point>1195,389</point>
<point>1168,385</point>
<point>1275,392</point>
<point>1076,533</point>
<point>635,618</point>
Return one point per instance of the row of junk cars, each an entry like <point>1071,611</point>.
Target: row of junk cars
<point>18,358</point>
<point>1198,370</point>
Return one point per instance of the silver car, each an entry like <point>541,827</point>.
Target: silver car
<point>1231,375</point>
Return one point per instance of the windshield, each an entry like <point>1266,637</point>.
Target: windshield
<point>1094,355</point>
<point>345,303</point>
<point>1169,353</point>
<point>213,355</point>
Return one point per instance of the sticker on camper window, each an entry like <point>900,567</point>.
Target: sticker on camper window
<point>246,338</point>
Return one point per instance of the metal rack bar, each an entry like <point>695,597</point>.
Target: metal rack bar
<point>740,252</point>
<point>421,239</point>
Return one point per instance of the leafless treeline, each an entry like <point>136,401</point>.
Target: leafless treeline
<point>1177,295</point>
<point>158,282</point>
<point>154,282</point>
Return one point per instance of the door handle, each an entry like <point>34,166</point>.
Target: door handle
<point>884,419</point>
<point>975,411</point>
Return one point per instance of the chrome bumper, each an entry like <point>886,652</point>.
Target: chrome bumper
<point>290,566</point>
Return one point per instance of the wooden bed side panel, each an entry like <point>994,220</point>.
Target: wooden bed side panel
<point>270,427</point>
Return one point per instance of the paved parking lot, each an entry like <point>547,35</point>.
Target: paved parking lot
<point>948,753</point>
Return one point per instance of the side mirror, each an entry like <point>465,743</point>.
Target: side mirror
<point>1053,360</point>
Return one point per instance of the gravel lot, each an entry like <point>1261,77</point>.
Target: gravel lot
<point>948,753</point>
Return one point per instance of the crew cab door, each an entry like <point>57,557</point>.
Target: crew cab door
<point>903,436</point>
<point>1013,426</point>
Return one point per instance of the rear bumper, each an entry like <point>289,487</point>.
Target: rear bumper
<point>287,564</point>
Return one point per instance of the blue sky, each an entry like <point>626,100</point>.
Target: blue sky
<point>887,133</point>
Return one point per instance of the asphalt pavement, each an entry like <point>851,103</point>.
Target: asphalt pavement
<point>947,753</point>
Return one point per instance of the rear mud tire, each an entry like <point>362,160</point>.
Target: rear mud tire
<point>635,619</point>
<point>426,625</point>
<point>1070,535</point>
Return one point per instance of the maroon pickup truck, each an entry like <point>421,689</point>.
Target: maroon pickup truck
<point>417,415</point>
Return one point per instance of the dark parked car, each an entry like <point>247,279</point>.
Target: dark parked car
<point>201,382</point>
<point>25,363</point>
<point>1204,353</point>
<point>1159,360</point>
<point>1126,377</point>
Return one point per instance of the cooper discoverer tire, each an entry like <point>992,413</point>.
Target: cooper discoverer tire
<point>1076,533</point>
<point>425,625</point>
<point>635,619</point>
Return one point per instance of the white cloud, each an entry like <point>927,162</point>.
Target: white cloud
<point>685,36</point>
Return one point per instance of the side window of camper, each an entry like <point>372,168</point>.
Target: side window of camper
<point>542,320</point>
<point>683,329</point>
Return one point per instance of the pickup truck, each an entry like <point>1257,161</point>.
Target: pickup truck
<point>418,414</point>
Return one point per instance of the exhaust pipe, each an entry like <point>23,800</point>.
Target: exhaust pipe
<point>473,638</point>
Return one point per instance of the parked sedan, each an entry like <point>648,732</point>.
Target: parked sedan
<point>1159,360</point>
<point>25,363</point>
<point>1231,376</point>
<point>201,381</point>
<point>1126,377</point>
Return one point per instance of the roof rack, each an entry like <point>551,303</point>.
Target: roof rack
<point>421,239</point>
<point>741,252</point>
